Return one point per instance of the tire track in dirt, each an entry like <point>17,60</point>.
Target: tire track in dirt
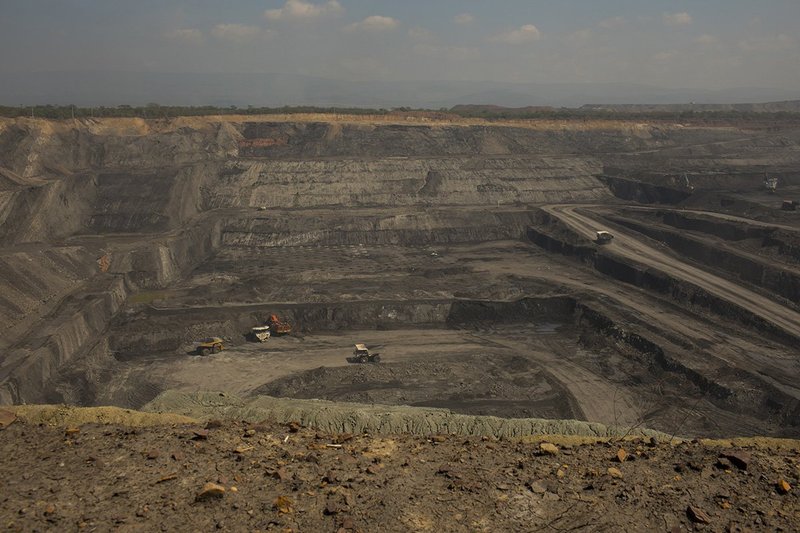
<point>598,399</point>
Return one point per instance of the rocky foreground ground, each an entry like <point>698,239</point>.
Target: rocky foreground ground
<point>72,474</point>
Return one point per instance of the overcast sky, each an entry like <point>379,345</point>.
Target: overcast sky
<point>710,44</point>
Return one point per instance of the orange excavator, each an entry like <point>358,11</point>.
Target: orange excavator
<point>278,326</point>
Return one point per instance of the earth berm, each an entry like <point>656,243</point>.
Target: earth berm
<point>105,469</point>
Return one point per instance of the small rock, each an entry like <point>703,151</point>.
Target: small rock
<point>6,418</point>
<point>697,515</point>
<point>209,491</point>
<point>438,438</point>
<point>537,487</point>
<point>72,431</point>
<point>250,432</point>
<point>336,503</point>
<point>550,449</point>
<point>153,454</point>
<point>621,455</point>
<point>283,504</point>
<point>615,473</point>
<point>738,458</point>
<point>294,427</point>
<point>560,473</point>
<point>178,456</point>
<point>344,437</point>
<point>783,487</point>
<point>281,474</point>
<point>167,477</point>
<point>697,467</point>
<point>200,434</point>
<point>551,496</point>
<point>214,424</point>
<point>723,464</point>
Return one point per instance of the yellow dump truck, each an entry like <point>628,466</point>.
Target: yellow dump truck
<point>209,345</point>
<point>362,355</point>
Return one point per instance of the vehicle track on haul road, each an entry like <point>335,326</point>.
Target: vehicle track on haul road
<point>599,399</point>
<point>630,247</point>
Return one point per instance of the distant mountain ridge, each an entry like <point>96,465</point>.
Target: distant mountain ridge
<point>92,88</point>
<point>788,106</point>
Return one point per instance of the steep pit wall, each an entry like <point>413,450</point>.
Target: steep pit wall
<point>105,203</point>
<point>72,329</point>
<point>466,313</point>
<point>297,140</point>
<point>367,228</point>
<point>642,192</point>
<point>44,210</point>
<point>787,243</point>
<point>60,178</point>
<point>407,181</point>
<point>26,371</point>
<point>163,261</point>
<point>731,389</point>
<point>36,147</point>
<point>34,279</point>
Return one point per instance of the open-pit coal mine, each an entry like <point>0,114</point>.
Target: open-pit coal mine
<point>464,252</point>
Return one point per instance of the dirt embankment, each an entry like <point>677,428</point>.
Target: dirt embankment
<point>234,476</point>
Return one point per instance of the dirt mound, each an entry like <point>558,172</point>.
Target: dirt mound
<point>64,415</point>
<point>235,476</point>
<point>381,419</point>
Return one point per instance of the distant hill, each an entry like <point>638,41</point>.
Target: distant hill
<point>788,106</point>
<point>91,88</point>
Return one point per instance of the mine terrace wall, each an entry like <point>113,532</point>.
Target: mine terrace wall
<point>27,371</point>
<point>407,181</point>
<point>555,237</point>
<point>297,140</point>
<point>775,279</point>
<point>765,397</point>
<point>645,193</point>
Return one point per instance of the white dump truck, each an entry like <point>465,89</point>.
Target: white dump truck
<point>260,333</point>
<point>603,237</point>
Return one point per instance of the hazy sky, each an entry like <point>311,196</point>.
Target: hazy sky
<point>704,43</point>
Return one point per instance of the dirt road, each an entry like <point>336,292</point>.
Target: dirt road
<point>628,245</point>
